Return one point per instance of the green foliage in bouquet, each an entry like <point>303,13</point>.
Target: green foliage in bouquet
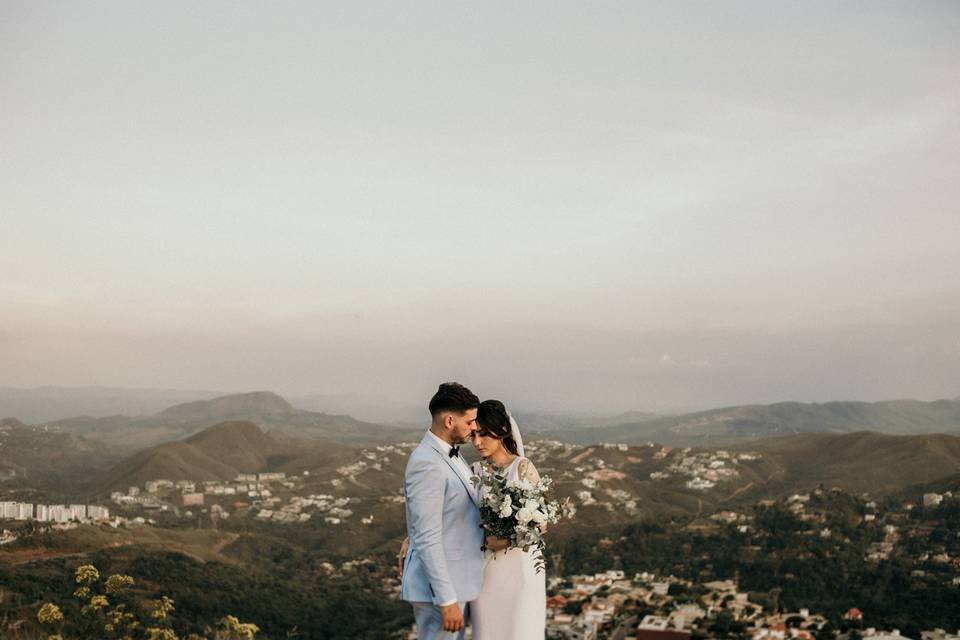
<point>517,510</point>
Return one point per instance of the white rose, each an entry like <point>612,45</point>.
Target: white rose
<point>506,510</point>
<point>531,505</point>
<point>524,516</point>
<point>539,517</point>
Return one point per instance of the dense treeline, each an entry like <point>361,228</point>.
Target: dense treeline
<point>785,562</point>
<point>283,603</point>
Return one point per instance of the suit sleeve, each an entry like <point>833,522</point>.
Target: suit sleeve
<point>425,497</point>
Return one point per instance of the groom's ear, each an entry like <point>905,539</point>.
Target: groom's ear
<point>447,421</point>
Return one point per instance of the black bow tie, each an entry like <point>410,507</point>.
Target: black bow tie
<point>454,451</point>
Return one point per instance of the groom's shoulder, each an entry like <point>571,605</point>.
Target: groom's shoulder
<point>423,452</point>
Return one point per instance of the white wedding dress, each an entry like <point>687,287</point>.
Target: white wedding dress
<point>512,604</point>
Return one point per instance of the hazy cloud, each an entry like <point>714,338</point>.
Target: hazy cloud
<point>546,199</point>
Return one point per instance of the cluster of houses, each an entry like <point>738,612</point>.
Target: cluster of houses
<point>375,458</point>
<point>161,494</point>
<point>591,472</point>
<point>333,509</point>
<point>893,525</point>
<point>372,459</point>
<point>258,492</point>
<point>254,490</point>
<point>589,607</point>
<point>602,606</point>
<point>704,469</point>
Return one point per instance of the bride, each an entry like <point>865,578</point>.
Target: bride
<point>512,601</point>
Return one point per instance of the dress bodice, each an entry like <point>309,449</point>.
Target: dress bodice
<point>513,469</point>
<point>510,472</point>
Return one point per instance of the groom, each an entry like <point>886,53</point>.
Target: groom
<point>443,567</point>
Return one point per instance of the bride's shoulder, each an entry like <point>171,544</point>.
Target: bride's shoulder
<point>526,470</point>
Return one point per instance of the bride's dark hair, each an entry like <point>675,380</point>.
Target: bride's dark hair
<point>493,421</point>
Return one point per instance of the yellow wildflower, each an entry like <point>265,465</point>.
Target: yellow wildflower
<point>156,633</point>
<point>49,613</point>
<point>81,592</point>
<point>162,608</point>
<point>237,629</point>
<point>118,582</point>
<point>87,574</point>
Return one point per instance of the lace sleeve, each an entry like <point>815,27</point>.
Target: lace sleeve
<point>528,472</point>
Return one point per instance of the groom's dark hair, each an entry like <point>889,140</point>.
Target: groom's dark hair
<point>453,396</point>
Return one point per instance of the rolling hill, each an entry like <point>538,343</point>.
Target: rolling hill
<point>39,459</point>
<point>219,452</point>
<point>863,461</point>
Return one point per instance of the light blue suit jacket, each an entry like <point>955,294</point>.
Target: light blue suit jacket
<point>444,562</point>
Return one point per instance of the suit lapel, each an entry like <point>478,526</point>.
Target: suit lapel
<point>471,491</point>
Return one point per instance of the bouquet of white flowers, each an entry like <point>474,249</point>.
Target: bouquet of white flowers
<point>517,510</point>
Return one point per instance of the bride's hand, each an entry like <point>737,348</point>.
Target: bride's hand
<point>496,544</point>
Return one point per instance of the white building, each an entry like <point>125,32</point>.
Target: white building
<point>873,634</point>
<point>96,512</point>
<point>152,486</point>
<point>932,499</point>
<point>8,510</point>
<point>59,513</point>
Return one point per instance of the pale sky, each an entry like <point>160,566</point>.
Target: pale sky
<point>590,205</point>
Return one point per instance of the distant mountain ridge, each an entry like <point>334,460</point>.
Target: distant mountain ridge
<point>238,404</point>
<point>750,422</point>
<point>266,408</point>
<point>721,426</point>
<point>45,404</point>
<point>38,405</point>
